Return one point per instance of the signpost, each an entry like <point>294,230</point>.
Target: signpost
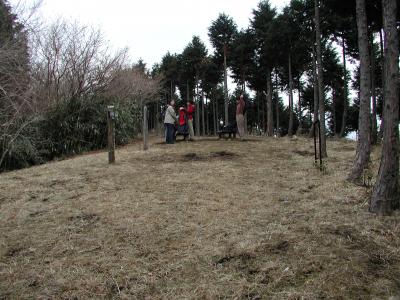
<point>318,152</point>
<point>145,129</point>
<point>111,115</point>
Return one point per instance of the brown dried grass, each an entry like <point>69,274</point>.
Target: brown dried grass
<point>209,219</point>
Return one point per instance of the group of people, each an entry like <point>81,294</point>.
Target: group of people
<point>184,120</point>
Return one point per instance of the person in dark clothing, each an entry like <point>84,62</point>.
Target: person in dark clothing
<point>169,123</point>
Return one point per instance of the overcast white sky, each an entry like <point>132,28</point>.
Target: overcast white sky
<point>150,28</point>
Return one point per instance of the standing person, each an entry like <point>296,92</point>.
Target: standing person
<point>191,108</point>
<point>240,107</point>
<point>169,123</point>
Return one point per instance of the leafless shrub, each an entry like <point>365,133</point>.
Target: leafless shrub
<point>72,62</point>
<point>132,84</point>
<point>62,64</point>
<point>15,94</point>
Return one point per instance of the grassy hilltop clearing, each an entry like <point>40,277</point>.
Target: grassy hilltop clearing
<point>204,220</point>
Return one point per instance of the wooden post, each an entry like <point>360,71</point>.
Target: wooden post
<point>157,123</point>
<point>111,134</point>
<point>202,114</point>
<point>145,129</point>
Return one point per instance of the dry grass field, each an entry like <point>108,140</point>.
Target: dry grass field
<point>204,220</point>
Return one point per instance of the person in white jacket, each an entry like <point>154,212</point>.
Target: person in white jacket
<point>169,123</point>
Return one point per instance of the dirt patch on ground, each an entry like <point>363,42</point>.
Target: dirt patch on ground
<point>304,153</point>
<point>192,156</point>
<point>14,252</point>
<point>218,155</point>
<point>84,218</point>
<point>201,220</point>
<point>222,154</point>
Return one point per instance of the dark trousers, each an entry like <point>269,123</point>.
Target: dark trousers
<point>169,133</point>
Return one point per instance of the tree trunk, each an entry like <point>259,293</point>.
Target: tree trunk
<point>264,124</point>
<point>226,103</point>
<point>300,128</point>
<point>203,115</point>
<point>345,91</point>
<point>198,125</point>
<point>278,132</point>
<point>215,117</point>
<point>258,113</point>
<point>320,81</point>
<point>145,129</point>
<point>385,195</point>
<point>246,125</point>
<point>270,116</point>
<point>140,128</point>
<point>197,109</point>
<point>217,112</point>
<point>316,100</point>
<point>381,44</point>
<point>207,118</point>
<point>364,124</point>
<point>383,80</point>
<point>334,111</point>
<point>290,129</point>
<point>374,128</point>
<point>243,83</point>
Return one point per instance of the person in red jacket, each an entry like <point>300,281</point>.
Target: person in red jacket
<point>190,110</point>
<point>182,123</point>
<point>182,116</point>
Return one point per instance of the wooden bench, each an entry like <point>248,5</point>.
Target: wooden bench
<point>230,130</point>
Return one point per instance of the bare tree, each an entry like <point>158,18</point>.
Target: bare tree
<point>345,90</point>
<point>15,93</point>
<point>134,86</point>
<point>315,88</point>
<point>72,62</point>
<point>374,121</point>
<point>290,129</point>
<point>364,125</point>
<point>385,196</point>
<point>67,63</point>
<point>270,115</point>
<point>321,90</point>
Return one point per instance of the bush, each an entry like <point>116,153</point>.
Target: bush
<point>69,128</point>
<point>19,147</point>
<point>77,126</point>
<point>21,154</point>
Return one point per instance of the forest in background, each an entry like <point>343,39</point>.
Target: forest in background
<point>56,81</point>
